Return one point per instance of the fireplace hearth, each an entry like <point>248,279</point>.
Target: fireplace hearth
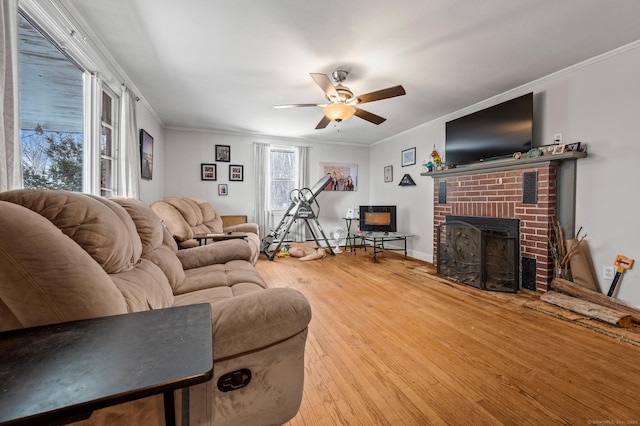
<point>481,252</point>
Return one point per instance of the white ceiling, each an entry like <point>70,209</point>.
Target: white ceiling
<point>222,65</point>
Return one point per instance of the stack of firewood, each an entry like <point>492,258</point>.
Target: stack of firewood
<point>582,294</point>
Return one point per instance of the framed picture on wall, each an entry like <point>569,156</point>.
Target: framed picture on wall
<point>236,173</point>
<point>223,189</point>
<point>208,171</point>
<point>388,173</point>
<point>409,157</point>
<point>146,155</point>
<point>344,176</point>
<point>223,153</point>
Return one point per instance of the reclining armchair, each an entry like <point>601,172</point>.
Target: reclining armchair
<point>187,217</point>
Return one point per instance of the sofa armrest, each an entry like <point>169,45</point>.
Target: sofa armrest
<point>256,320</point>
<point>210,254</point>
<point>244,227</point>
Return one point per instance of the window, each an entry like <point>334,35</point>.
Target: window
<point>57,153</point>
<point>51,113</point>
<point>282,177</point>
<point>108,132</point>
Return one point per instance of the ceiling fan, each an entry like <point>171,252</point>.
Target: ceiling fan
<point>342,102</point>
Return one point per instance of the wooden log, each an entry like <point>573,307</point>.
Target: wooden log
<point>574,289</point>
<point>589,309</point>
<point>581,272</point>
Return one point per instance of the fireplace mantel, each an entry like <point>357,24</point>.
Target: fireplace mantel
<point>507,164</point>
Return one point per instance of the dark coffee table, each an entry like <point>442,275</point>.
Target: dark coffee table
<point>63,372</point>
<point>377,240</point>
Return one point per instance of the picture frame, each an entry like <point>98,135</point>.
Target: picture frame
<point>208,171</point>
<point>407,180</point>
<point>236,172</point>
<point>409,157</point>
<point>547,149</point>
<point>223,153</point>
<point>344,176</point>
<point>558,149</point>
<point>146,155</point>
<point>223,189</point>
<point>388,173</point>
<point>570,147</point>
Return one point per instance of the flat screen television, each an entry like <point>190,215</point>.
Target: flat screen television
<point>494,132</point>
<point>378,218</point>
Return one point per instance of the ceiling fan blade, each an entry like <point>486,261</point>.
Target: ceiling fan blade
<point>325,84</point>
<point>369,116</point>
<point>323,123</point>
<point>389,92</point>
<point>296,106</point>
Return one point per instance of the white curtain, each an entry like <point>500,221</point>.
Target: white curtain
<point>261,161</point>
<point>10,156</point>
<point>129,158</point>
<point>299,230</point>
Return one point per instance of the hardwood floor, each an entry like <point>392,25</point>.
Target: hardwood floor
<point>392,344</point>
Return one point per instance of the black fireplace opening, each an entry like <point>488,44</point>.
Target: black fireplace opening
<point>481,252</point>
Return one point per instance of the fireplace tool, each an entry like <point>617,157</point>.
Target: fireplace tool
<point>622,264</point>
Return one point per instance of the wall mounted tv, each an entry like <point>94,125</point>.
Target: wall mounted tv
<point>378,218</point>
<point>494,132</point>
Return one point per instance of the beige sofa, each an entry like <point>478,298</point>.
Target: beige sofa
<point>185,217</point>
<point>67,256</point>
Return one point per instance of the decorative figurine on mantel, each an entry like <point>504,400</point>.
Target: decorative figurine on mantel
<point>436,157</point>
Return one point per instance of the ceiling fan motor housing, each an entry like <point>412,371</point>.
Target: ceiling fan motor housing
<point>344,94</point>
<point>339,75</point>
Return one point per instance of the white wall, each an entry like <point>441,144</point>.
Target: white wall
<point>414,203</point>
<point>186,150</point>
<point>596,103</point>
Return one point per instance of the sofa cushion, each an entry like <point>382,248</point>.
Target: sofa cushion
<point>42,289</point>
<point>102,228</point>
<point>145,287</point>
<point>220,275</point>
<point>148,225</point>
<point>251,321</point>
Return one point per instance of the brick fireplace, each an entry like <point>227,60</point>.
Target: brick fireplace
<point>524,189</point>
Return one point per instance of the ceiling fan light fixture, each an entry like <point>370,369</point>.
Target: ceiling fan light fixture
<point>338,112</point>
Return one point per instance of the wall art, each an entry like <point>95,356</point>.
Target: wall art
<point>344,177</point>
<point>223,153</point>
<point>236,173</point>
<point>208,172</point>
<point>388,173</point>
<point>146,155</point>
<point>409,157</point>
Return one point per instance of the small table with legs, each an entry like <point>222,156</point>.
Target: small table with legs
<point>377,240</point>
<point>351,238</point>
<point>202,238</point>
<point>63,372</point>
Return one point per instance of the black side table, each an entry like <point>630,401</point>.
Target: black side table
<point>63,372</point>
<point>351,238</point>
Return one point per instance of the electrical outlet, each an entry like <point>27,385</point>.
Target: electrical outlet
<point>608,272</point>
<point>557,138</point>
